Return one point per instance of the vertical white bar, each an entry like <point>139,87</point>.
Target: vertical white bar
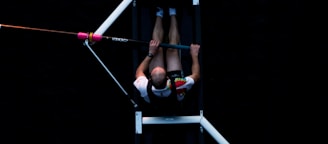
<point>138,122</point>
<point>195,2</point>
<point>112,17</point>
<point>214,133</point>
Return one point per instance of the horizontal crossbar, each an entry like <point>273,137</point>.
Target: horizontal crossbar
<point>171,120</point>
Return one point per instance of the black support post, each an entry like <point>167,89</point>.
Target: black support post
<point>197,39</point>
<point>135,55</point>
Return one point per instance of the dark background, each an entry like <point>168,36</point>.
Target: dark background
<point>56,92</point>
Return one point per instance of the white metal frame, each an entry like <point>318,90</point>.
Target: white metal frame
<point>139,119</point>
<point>197,119</point>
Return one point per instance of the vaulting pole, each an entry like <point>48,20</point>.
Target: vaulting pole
<point>92,37</point>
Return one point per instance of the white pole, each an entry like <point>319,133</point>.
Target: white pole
<point>138,123</point>
<point>108,22</point>
<point>214,133</point>
<point>195,2</point>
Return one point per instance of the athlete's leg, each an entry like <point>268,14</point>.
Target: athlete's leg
<point>172,55</point>
<point>158,32</point>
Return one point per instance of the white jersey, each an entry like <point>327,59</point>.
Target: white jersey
<point>182,85</point>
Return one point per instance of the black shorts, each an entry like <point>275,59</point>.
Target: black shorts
<point>175,74</point>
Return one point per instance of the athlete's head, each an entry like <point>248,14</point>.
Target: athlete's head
<point>158,77</point>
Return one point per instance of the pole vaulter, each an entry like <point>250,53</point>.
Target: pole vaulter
<point>98,36</point>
